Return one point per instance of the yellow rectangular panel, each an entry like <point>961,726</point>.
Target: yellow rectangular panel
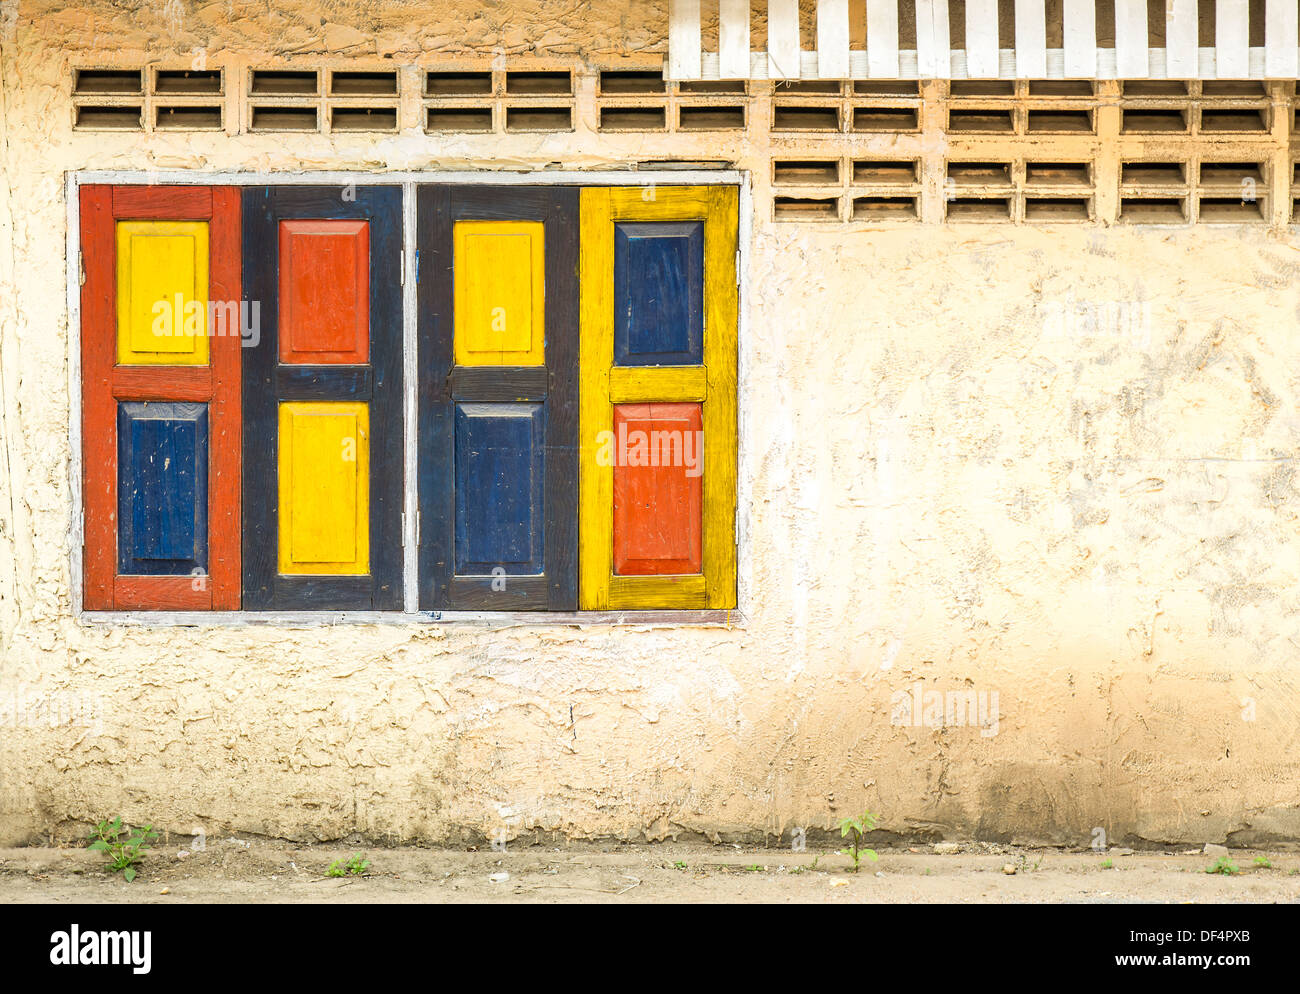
<point>162,293</point>
<point>324,463</point>
<point>657,384</point>
<point>498,269</point>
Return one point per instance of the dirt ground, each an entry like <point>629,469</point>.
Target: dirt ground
<point>256,870</point>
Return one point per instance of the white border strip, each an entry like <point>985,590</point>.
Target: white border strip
<point>410,399</point>
<point>491,619</point>
<point>744,366</point>
<point>410,366</point>
<point>77,526</point>
<point>548,177</point>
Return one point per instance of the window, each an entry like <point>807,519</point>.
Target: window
<point>571,417</point>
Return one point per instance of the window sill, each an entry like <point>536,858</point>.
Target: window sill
<point>483,619</point>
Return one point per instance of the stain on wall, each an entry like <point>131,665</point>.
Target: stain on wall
<point>1018,508</point>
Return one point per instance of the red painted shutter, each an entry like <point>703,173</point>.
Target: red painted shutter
<point>196,407</point>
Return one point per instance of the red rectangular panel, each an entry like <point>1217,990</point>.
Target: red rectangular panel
<point>325,292</point>
<point>658,454</point>
<point>163,203</point>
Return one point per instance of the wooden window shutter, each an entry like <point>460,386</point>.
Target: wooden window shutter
<point>161,419</point>
<point>658,422</point>
<point>498,416</point>
<point>323,439</point>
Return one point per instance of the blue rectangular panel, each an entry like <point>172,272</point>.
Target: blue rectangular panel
<point>659,294</point>
<point>162,488</point>
<point>500,476</point>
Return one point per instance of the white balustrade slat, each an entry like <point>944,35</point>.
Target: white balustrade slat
<point>882,39</point>
<point>684,47</point>
<point>733,39</point>
<point>982,39</point>
<point>1031,39</point>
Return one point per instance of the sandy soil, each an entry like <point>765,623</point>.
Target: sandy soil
<point>255,870</point>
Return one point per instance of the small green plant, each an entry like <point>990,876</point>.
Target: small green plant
<point>679,865</point>
<point>1026,866</point>
<point>754,868</point>
<point>353,867</point>
<point>123,853</point>
<point>1263,862</point>
<point>1107,864</point>
<point>810,867</point>
<point>855,830</point>
<point>1222,865</point>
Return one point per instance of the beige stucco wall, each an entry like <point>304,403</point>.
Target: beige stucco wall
<point>961,465</point>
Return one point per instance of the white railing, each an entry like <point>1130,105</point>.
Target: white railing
<point>981,55</point>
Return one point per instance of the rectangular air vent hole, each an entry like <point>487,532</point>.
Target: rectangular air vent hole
<point>1057,174</point>
<point>539,84</point>
<point>363,119</point>
<point>886,88</point>
<point>804,209</point>
<point>633,119</point>
<point>363,84</point>
<point>711,118</point>
<point>796,87</point>
<point>978,209</point>
<point>881,172</point>
<point>982,88</point>
<point>981,121</point>
<point>1233,121</point>
<point>1061,88</point>
<point>1235,174</point>
<point>283,82</point>
<point>1155,88</point>
<point>1060,122</point>
<point>717,87</point>
<point>795,118</point>
<point>187,118</point>
<point>458,84</point>
<point>539,119</point>
<point>108,81</point>
<point>477,119</point>
<point>1229,210</point>
<point>1152,210</point>
<point>92,118</point>
<point>187,81</point>
<point>1153,121</point>
<point>1234,89</point>
<point>885,119</point>
<point>806,172</point>
<point>979,173</point>
<point>1153,173</point>
<point>620,81</point>
<point>884,208</point>
<point>1049,209</point>
<point>284,119</point>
